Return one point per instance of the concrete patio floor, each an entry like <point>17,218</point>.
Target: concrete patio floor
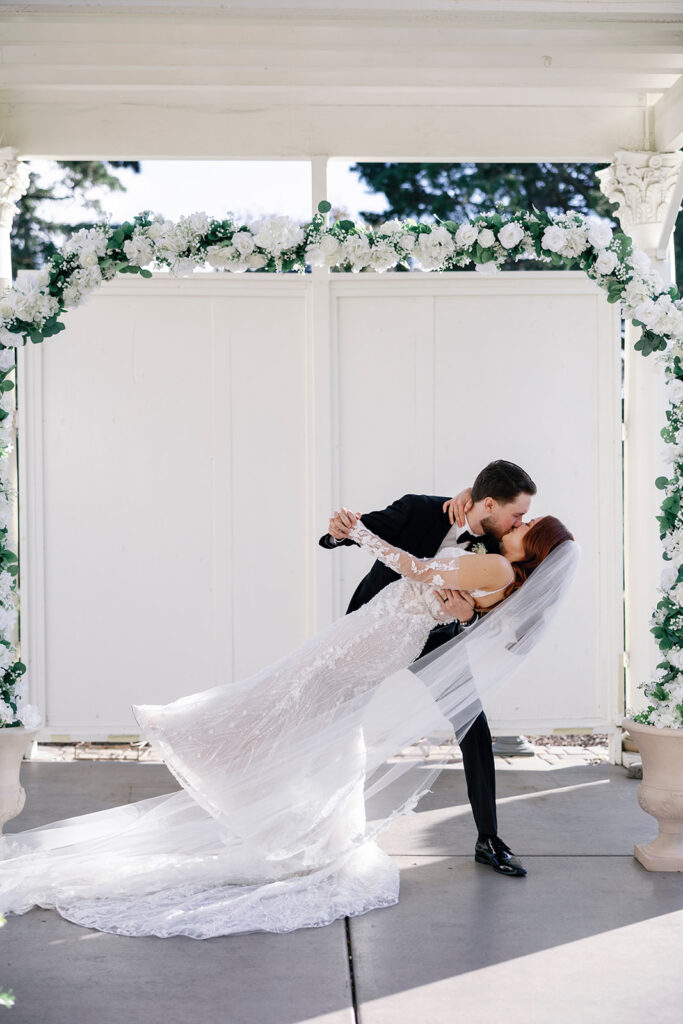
<point>587,937</point>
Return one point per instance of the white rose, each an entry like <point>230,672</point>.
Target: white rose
<point>640,261</point>
<point>88,258</point>
<point>197,222</point>
<point>606,262</point>
<point>486,238</point>
<point>599,233</point>
<point>674,390</point>
<point>488,269</point>
<point>7,359</point>
<point>668,577</point>
<point>510,235</point>
<point>554,238</point>
<point>243,242</point>
<point>256,260</point>
<point>139,250</point>
<point>217,256</point>
<point>675,657</point>
<point>329,244</point>
<point>407,241</point>
<point>315,256</point>
<point>646,313</point>
<point>29,716</point>
<point>9,339</point>
<point>390,227</point>
<point>383,257</point>
<point>6,713</point>
<point>183,267</point>
<point>575,242</point>
<point>466,235</point>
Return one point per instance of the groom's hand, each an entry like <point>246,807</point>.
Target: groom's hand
<point>459,506</point>
<point>458,604</point>
<point>341,523</point>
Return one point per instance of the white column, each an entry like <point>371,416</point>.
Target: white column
<point>14,178</point>
<point>643,184</point>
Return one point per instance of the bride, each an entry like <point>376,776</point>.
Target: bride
<point>289,776</point>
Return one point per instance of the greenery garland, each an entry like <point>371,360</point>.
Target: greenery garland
<point>34,307</point>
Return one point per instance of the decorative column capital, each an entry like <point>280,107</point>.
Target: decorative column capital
<point>642,183</point>
<point>14,180</point>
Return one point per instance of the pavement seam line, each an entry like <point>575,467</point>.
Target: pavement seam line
<point>352,977</point>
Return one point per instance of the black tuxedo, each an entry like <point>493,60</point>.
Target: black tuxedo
<point>417,523</point>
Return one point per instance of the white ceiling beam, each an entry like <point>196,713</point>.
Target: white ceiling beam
<point>668,119</point>
<point>211,76</point>
<point>140,128</point>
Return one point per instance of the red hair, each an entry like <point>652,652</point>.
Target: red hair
<point>539,540</point>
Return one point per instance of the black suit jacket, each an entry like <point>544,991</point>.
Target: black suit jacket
<point>415,523</point>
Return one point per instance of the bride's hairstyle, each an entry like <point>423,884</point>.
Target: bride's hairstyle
<point>539,541</point>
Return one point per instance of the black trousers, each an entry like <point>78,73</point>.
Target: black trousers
<point>477,760</point>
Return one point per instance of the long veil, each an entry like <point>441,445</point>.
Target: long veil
<point>447,688</point>
<point>285,785</point>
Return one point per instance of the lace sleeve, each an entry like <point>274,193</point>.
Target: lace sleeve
<point>443,572</point>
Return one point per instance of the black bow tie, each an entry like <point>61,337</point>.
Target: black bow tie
<point>468,538</point>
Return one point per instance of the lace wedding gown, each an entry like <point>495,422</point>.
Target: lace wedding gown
<point>286,783</point>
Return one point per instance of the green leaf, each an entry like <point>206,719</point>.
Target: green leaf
<point>324,206</point>
<point>6,385</point>
<point>145,273</point>
<point>661,483</point>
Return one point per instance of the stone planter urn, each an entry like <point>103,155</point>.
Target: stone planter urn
<point>13,743</point>
<point>660,794</point>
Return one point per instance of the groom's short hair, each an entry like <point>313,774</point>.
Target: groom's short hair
<point>502,481</point>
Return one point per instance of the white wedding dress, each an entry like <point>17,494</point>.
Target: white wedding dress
<point>287,779</point>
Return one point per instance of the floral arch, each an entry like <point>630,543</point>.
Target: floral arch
<point>33,308</point>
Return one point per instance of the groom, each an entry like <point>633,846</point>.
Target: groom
<point>421,524</point>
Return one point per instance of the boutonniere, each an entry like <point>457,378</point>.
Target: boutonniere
<point>478,549</point>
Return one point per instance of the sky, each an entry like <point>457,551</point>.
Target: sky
<point>247,188</point>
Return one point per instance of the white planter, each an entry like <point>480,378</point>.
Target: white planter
<point>13,743</point>
<point>661,794</point>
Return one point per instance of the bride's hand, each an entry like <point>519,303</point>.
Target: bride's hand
<point>459,506</point>
<point>342,522</point>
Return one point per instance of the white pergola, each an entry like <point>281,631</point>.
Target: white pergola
<point>423,80</point>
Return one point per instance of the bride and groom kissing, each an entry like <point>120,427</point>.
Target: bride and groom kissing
<point>288,777</point>
<point>487,518</point>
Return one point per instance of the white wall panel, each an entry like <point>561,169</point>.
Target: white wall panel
<point>458,370</point>
<point>181,441</point>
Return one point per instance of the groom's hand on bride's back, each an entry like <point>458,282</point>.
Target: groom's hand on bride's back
<point>458,507</point>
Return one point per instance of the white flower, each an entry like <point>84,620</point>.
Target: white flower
<point>510,235</point>
<point>219,256</point>
<point>488,269</point>
<point>243,242</point>
<point>575,242</point>
<point>315,255</point>
<point>28,715</point>
<point>640,261</point>
<point>198,223</point>
<point>675,657</point>
<point>329,245</point>
<point>668,577</point>
<point>554,238</point>
<point>599,233</point>
<point>7,657</point>
<point>6,713</point>
<point>356,251</point>
<point>606,262</point>
<point>139,250</point>
<point>256,260</point>
<point>433,248</point>
<point>277,234</point>
<point>407,241</point>
<point>183,266</point>
<point>466,235</point>
<point>383,257</point>
<point>7,360</point>
<point>85,242</point>
<point>10,339</point>
<point>486,238</point>
<point>8,620</point>
<point>390,227</point>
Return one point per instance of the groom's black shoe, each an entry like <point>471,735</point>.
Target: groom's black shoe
<point>494,852</point>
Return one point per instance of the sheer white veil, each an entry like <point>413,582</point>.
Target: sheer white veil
<point>449,686</point>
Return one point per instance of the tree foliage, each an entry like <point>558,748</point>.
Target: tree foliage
<point>37,233</point>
